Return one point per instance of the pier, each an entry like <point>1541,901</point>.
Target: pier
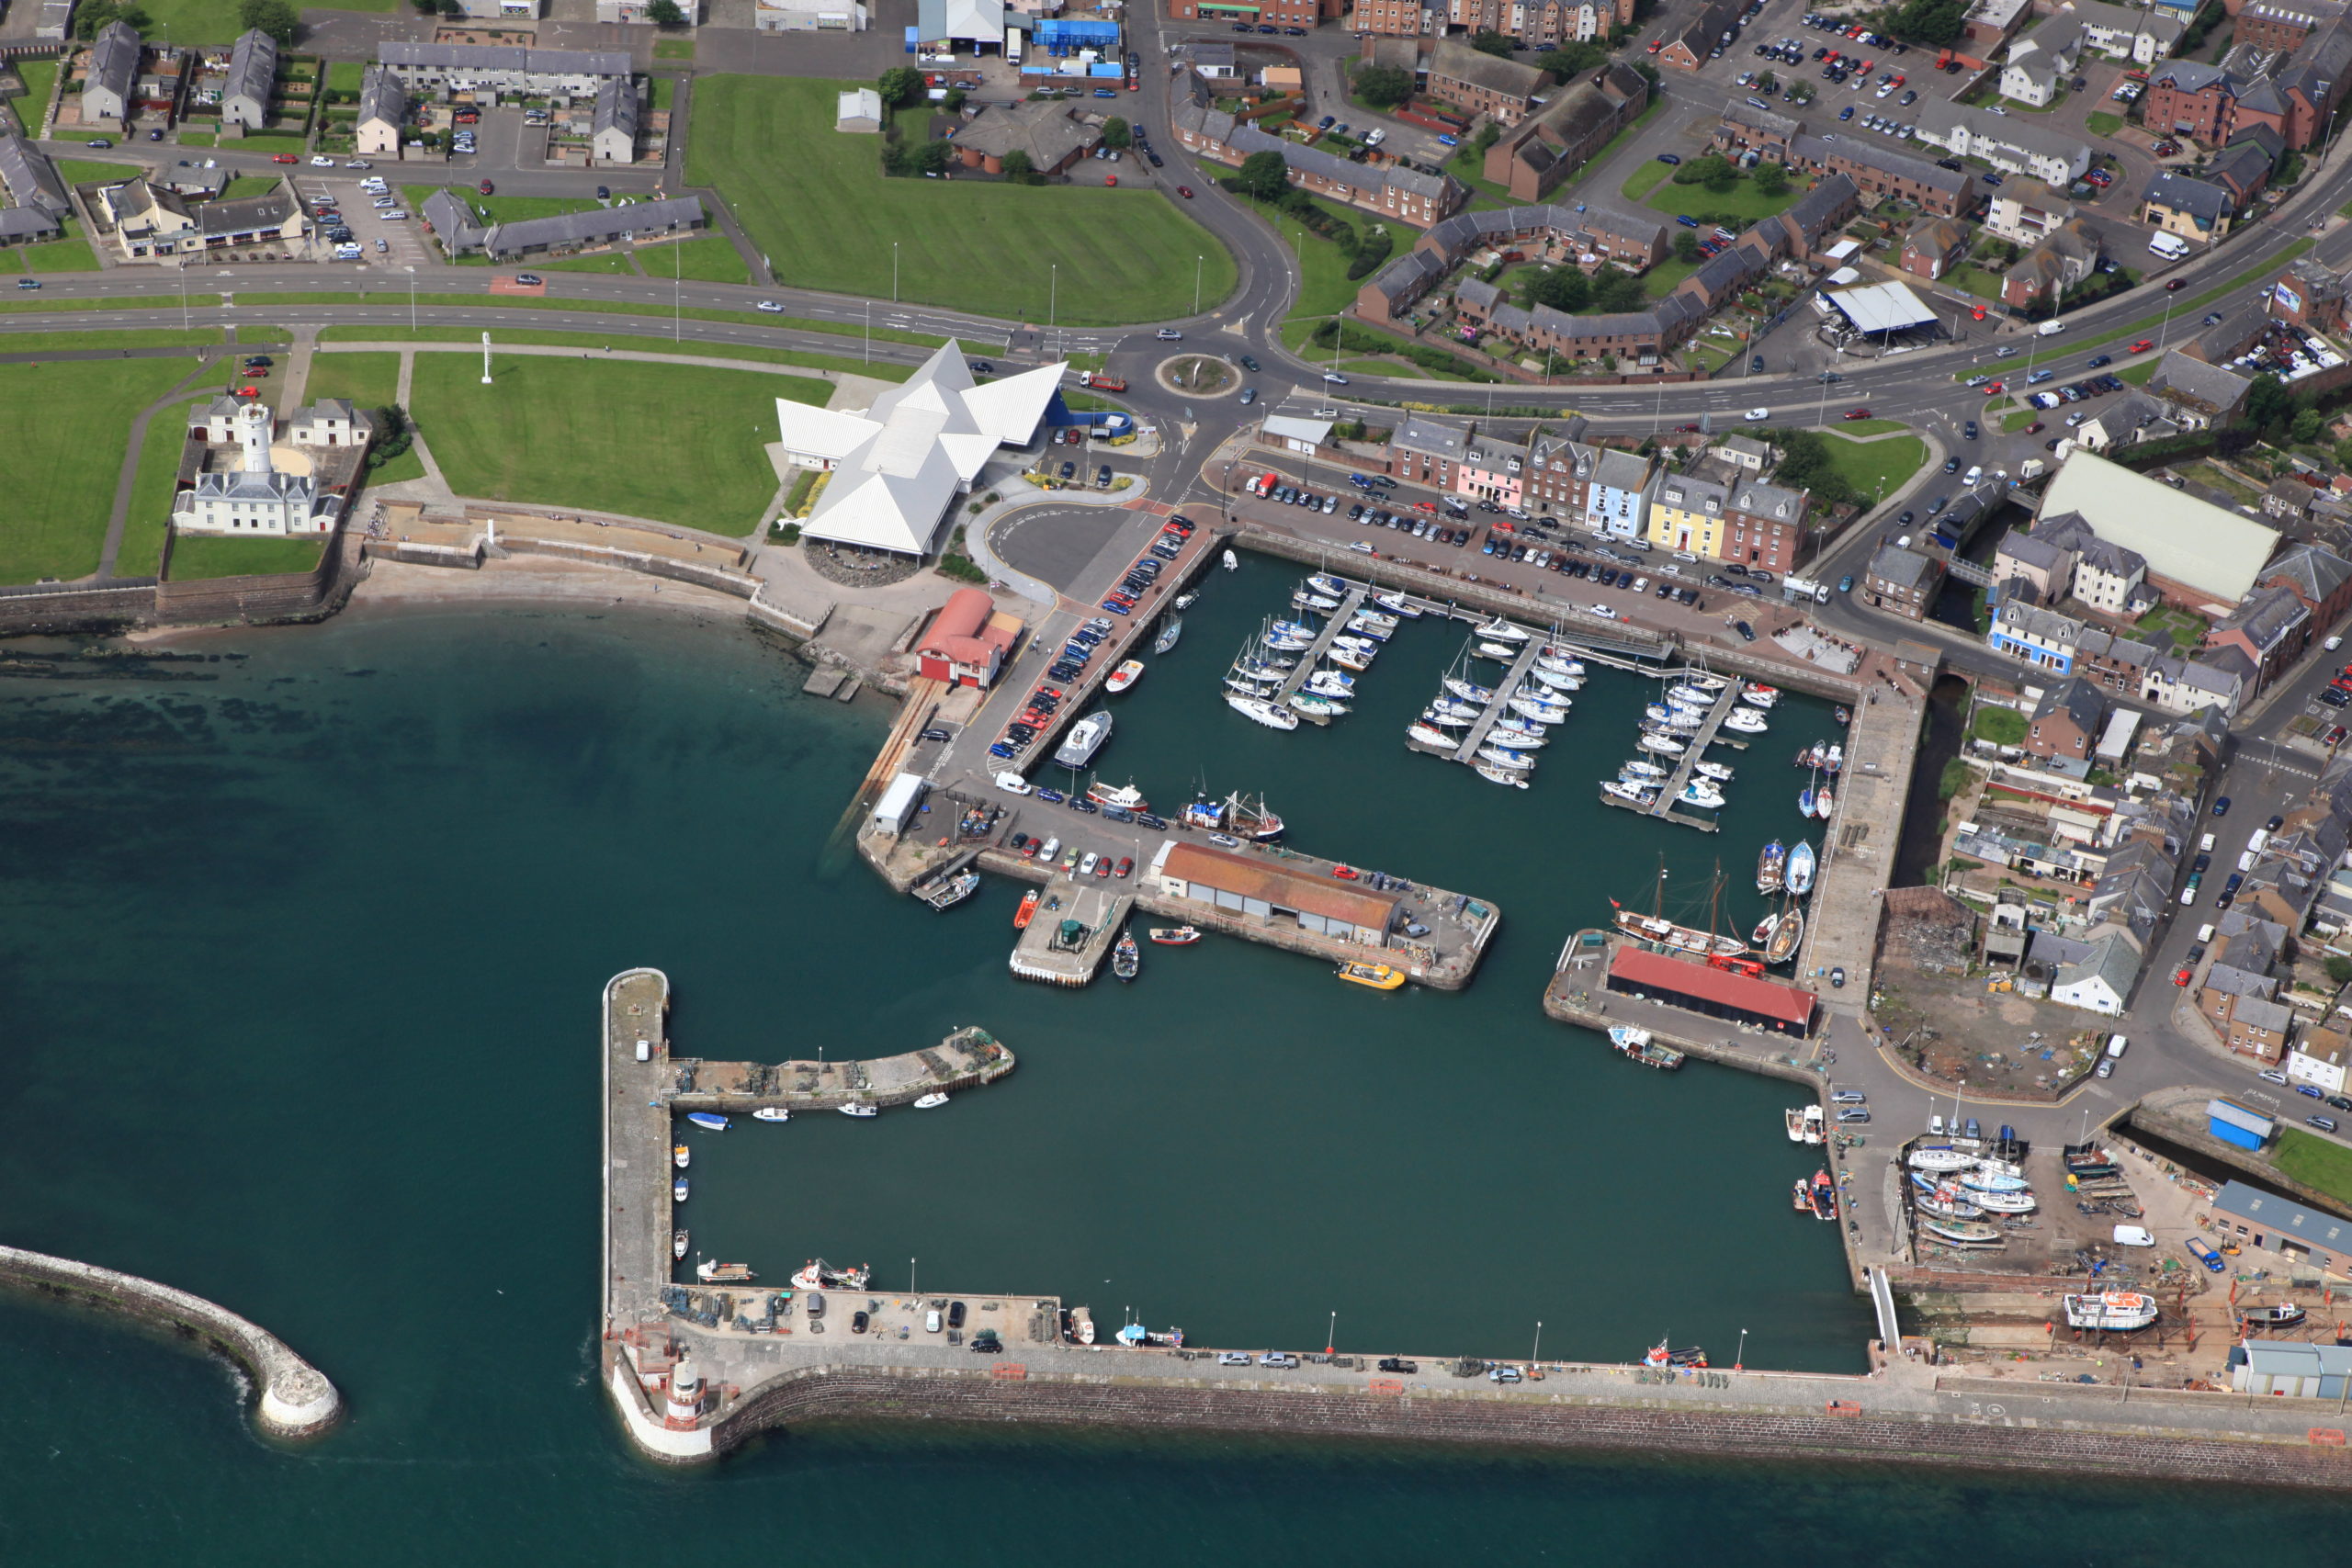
<point>1045,951</point>
<point>1483,726</point>
<point>968,1058</point>
<point>1296,679</point>
<point>1667,807</point>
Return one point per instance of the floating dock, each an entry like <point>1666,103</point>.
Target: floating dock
<point>1667,807</point>
<point>1296,679</point>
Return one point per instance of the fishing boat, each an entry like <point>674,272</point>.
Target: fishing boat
<point>1768,864</point>
<point>2118,1312</point>
<point>1697,792</point>
<point>1324,582</point>
<point>1786,936</point>
<point>819,1275</point>
<point>1745,721</point>
<point>1625,790</point>
<point>1505,758</point>
<point>1805,1123</point>
<point>1945,1207</point>
<point>1231,560</point>
<point>1316,708</point>
<point>710,1121</point>
<point>1825,1196</point>
<point>858,1108</point>
<point>1804,801</point>
<point>1175,936</point>
<point>678,1189</point>
<point>1135,1334</point>
<point>711,1273</point>
<point>2001,1202</point>
<point>2286,1315</point>
<point>1085,737</point>
<point>1636,1044</point>
<point>1260,711</point>
<point>1125,957</point>
<point>1500,630</point>
<point>1810,756</point>
<point>1024,915</point>
<point>1664,745</point>
<point>1714,771</point>
<point>1798,873</point>
<point>681,1156</point>
<point>1825,801</point>
<point>1493,774</point>
<point>771,1113</point>
<point>1963,1233</point>
<point>679,1240</point>
<point>1236,814</point>
<point>1641,769</point>
<point>1941,1156</point>
<point>950,891</point>
<point>931,1102</point>
<point>1397,604</point>
<point>1124,797</point>
<point>1128,672</point>
<point>1379,976</point>
<point>1801,1196</point>
<point>1660,1356</point>
<point>1833,762</point>
<point>1470,690</point>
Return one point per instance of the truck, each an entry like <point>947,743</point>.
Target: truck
<point>1100,382</point>
<point>1794,588</point>
<point>2205,1254</point>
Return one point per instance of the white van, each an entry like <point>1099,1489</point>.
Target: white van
<point>2259,840</point>
<point>2116,1046</point>
<point>1935,1125</point>
<point>1975,472</point>
<point>2172,247</point>
<point>645,1049</point>
<point>2133,1236</point>
<point>2246,860</point>
<point>2205,844</point>
<point>2205,933</point>
<point>2049,329</point>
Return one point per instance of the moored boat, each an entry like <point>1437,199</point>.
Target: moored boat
<point>1079,1328</point>
<point>931,1101</point>
<point>1379,976</point>
<point>1502,631</point>
<point>771,1113</point>
<point>1498,651</point>
<point>1641,769</point>
<point>678,1189</point>
<point>711,1273</point>
<point>1660,1356</point>
<point>1314,708</point>
<point>858,1108</point>
<point>1761,937</point>
<point>1664,745</point>
<point>1231,560</point>
<point>1125,796</point>
<point>1697,794</point>
<point>1693,697</point>
<point>1505,758</point>
<point>1714,771</point>
<point>1745,721</point>
<point>1427,735</point>
<point>1470,690</point>
<point>1085,738</point>
<point>1125,957</point>
<point>1798,872</point>
<point>1629,790</point>
<point>1825,801</point>
<point>1518,736</point>
<point>1493,774</point>
<point>1126,675</point>
<point>1437,720</point>
<point>1324,582</point>
<point>1786,936</point>
<point>1805,1123</point>
<point>710,1121</point>
<point>1021,917</point>
<point>1825,1196</point>
<point>819,1275</point>
<point>2119,1312</point>
<point>1768,864</point>
<point>1638,1046</point>
<point>681,1156</point>
<point>1397,604</point>
<point>1175,936</point>
<point>679,1240</point>
<point>949,891</point>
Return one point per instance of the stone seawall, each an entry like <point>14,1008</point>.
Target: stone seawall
<point>1003,1392</point>
<point>49,611</point>
<point>734,582</point>
<point>297,1400</point>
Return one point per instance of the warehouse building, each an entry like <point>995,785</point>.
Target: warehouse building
<point>2268,1222</point>
<point>1262,890</point>
<point>1718,993</point>
<point>2285,1367</point>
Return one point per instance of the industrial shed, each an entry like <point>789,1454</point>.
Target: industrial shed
<point>1242,884</point>
<point>1718,993</point>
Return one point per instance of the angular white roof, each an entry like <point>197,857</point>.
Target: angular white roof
<point>1883,307</point>
<point>2185,539</point>
<point>898,465</point>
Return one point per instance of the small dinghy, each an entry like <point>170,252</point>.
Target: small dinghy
<point>709,1121</point>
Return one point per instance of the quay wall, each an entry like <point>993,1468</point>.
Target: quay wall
<point>2099,1445</point>
<point>297,1400</point>
<point>907,1076</point>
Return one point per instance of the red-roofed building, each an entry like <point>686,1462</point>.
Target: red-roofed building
<point>969,640</point>
<point>1718,993</point>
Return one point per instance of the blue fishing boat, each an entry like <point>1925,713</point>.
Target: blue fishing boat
<point>1797,875</point>
<point>678,1191</point>
<point>710,1120</point>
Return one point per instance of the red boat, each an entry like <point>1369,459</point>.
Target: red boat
<point>1021,917</point>
<point>1825,1195</point>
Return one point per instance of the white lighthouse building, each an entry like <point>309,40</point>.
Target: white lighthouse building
<point>259,490</point>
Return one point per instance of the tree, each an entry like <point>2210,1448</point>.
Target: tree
<point>1563,287</point>
<point>1616,289</point>
<point>2339,968</point>
<point>1572,60</point>
<point>1116,135</point>
<point>275,17</point>
<point>1931,22</point>
<point>2306,425</point>
<point>954,100</point>
<point>93,19</point>
<point>1496,44</point>
<point>1018,168</point>
<point>1771,180</point>
<point>899,85</point>
<point>1263,175</point>
<point>1686,245</point>
<point>1768,84</point>
<point>666,13</point>
<point>453,9</point>
<point>1807,464</point>
<point>1383,86</point>
<point>2266,403</point>
<point>1704,170</point>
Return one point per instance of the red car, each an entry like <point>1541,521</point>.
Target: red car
<point>1344,872</point>
<point>284,158</point>
<point>1185,191</point>
<point>2180,976</point>
<point>1858,414</point>
<point>1126,866</point>
<point>2175,284</point>
<point>1993,389</point>
<point>1110,179</point>
<point>486,188</point>
<point>2144,344</point>
<point>2034,429</point>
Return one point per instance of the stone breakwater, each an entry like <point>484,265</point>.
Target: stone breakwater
<point>1561,1421</point>
<point>297,1400</point>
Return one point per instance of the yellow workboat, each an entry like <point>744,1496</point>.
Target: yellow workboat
<point>1379,976</point>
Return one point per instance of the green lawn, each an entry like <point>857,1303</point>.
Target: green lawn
<point>1661,279</point>
<point>1743,201</point>
<point>142,554</point>
<point>196,139</point>
<point>196,557</point>
<point>72,253</point>
<point>1877,467</point>
<point>67,423</point>
<point>242,186</point>
<point>2138,374</point>
<point>2317,1163</point>
<point>503,208</point>
<point>576,433</point>
<point>1975,280</point>
<point>642,341</point>
<point>95,171</point>
<point>1644,180</point>
<point>673,48</point>
<point>665,93</point>
<point>370,381</point>
<point>2013,423</point>
<point>345,75</point>
<point>710,259</point>
<point>606,262</point>
<point>825,218</point>
<point>272,142</point>
<point>2101,124</point>
<point>1871,427</point>
<point>1324,289</point>
<point>187,22</point>
<point>40,80</point>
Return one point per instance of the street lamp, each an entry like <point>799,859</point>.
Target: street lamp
<point>1196,283</point>
<point>1739,1357</point>
<point>894,272</point>
<point>411,299</point>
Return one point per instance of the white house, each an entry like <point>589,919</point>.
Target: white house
<point>898,466</point>
<point>2317,1059</point>
<point>264,494</point>
<point>612,132</point>
<point>383,106</point>
<point>2127,32</point>
<point>252,78</point>
<point>2010,142</point>
<point>2102,980</point>
<point>859,110</point>
<point>2038,66</point>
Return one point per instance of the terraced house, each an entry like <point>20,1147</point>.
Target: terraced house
<point>1689,514</point>
<point>1548,146</point>
<point>1390,190</point>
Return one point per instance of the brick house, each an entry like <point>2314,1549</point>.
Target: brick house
<point>2065,725</point>
<point>1424,451</point>
<point>1280,12</point>
<point>1902,580</point>
<point>1878,172</point>
<point>2065,257</point>
<point>1699,38</point>
<point>2306,294</point>
<point>1390,190</point>
<point>1398,19</point>
<point>1478,83</point>
<point>2318,579</point>
<point>1764,524</point>
<point>1545,148</point>
<point>1933,246</point>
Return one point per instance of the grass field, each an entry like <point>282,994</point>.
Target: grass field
<point>271,142</point>
<point>678,442</point>
<point>1877,468</point>
<point>501,208</point>
<point>710,259</point>
<point>2100,124</point>
<point>196,558</point>
<point>826,218</point>
<point>1662,279</point>
<point>72,253</point>
<point>2138,375</point>
<point>611,264</point>
<point>1743,201</point>
<point>370,381</point>
<point>673,48</point>
<point>345,75</point>
<point>665,93</point>
<point>40,80</point>
<point>1323,286</point>
<point>1872,427</point>
<point>1644,180</point>
<point>95,170</point>
<point>641,342</point>
<point>67,423</point>
<point>2316,1162</point>
<point>144,531</point>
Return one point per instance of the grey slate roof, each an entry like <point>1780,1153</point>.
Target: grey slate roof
<point>32,177</point>
<point>1465,230</point>
<point>114,60</point>
<point>616,106</point>
<point>1900,568</point>
<point>506,57</point>
<point>2084,707</point>
<point>1437,437</point>
<point>1813,150</point>
<point>598,227</point>
<point>2182,193</point>
<point>2112,959</point>
<point>381,96</point>
<point>253,67</point>
<point>1409,275</point>
<point>1620,470</point>
<point>2214,388</point>
<point>1758,499</point>
<point>2314,572</point>
<point>2266,617</point>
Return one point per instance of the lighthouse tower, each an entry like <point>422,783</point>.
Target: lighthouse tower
<point>254,426</point>
<point>685,1403</point>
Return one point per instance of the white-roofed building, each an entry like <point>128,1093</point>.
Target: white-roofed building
<point>1883,307</point>
<point>2200,556</point>
<point>898,466</point>
<point>859,110</point>
<point>1293,433</point>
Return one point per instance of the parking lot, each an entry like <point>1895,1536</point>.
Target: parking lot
<point>402,242</point>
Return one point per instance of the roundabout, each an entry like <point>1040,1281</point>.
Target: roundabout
<point>1199,376</point>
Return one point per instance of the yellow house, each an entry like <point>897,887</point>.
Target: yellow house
<point>1687,514</point>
